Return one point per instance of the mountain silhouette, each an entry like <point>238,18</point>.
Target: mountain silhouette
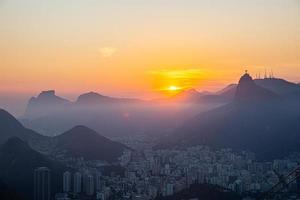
<point>228,90</point>
<point>112,116</point>
<point>281,87</point>
<point>193,96</point>
<point>93,98</point>
<point>17,164</point>
<point>278,86</point>
<point>255,121</point>
<point>11,127</point>
<point>46,102</point>
<point>81,141</point>
<point>190,95</point>
<point>248,90</point>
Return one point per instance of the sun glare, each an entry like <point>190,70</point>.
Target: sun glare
<point>173,88</point>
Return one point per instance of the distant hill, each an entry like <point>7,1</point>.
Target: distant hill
<point>94,99</point>
<point>203,192</point>
<point>256,121</point>
<point>81,141</point>
<point>228,92</point>
<point>278,86</point>
<point>17,164</point>
<point>116,116</point>
<point>195,97</point>
<point>112,116</point>
<point>46,102</point>
<point>190,95</point>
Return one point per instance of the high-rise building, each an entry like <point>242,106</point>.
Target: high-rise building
<point>169,189</point>
<point>42,184</point>
<point>67,181</point>
<point>98,182</point>
<point>89,185</point>
<point>77,182</point>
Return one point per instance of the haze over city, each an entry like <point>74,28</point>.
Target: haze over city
<point>150,100</point>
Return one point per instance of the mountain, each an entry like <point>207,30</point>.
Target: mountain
<point>248,90</point>
<point>93,98</point>
<point>278,86</point>
<point>193,96</point>
<point>46,102</point>
<point>229,88</point>
<point>81,141</point>
<point>263,88</point>
<point>113,116</point>
<point>256,121</point>
<point>190,95</point>
<point>11,127</point>
<point>17,164</point>
<point>203,192</point>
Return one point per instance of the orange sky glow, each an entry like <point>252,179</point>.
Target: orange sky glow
<point>144,48</point>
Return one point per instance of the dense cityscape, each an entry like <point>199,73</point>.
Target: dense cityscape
<point>148,174</point>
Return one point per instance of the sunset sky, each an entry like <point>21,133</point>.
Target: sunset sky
<point>140,48</point>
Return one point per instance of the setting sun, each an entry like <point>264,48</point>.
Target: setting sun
<point>173,88</point>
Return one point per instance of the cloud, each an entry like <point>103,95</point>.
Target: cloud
<point>107,51</point>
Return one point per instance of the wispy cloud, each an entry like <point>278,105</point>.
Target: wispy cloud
<point>107,51</point>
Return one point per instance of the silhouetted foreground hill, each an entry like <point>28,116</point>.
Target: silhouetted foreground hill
<point>202,192</point>
<point>81,141</point>
<point>257,121</point>
<point>17,164</point>
<point>18,160</point>
<point>11,127</point>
